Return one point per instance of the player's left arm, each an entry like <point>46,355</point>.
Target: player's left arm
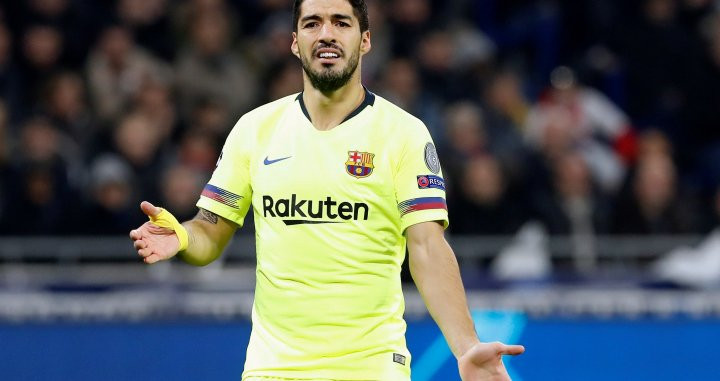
<point>435,271</point>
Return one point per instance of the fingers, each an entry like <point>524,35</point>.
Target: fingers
<point>152,258</point>
<point>140,244</point>
<point>145,252</point>
<point>135,234</point>
<point>142,247</point>
<point>512,350</point>
<point>149,209</point>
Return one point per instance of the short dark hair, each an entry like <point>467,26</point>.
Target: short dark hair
<point>359,8</point>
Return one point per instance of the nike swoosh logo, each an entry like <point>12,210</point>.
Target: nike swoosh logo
<point>268,161</point>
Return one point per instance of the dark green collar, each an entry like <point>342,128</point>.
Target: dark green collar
<point>368,101</point>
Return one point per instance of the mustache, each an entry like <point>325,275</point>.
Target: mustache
<point>330,45</point>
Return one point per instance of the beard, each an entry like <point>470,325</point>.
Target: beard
<point>328,80</point>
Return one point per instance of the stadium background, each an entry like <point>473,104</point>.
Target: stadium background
<point>580,141</point>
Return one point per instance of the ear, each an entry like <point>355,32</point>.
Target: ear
<point>294,46</point>
<point>365,44</point>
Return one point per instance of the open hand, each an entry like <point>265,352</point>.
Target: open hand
<point>483,361</point>
<point>152,242</point>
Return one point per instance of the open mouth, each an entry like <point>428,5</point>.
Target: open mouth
<point>328,56</point>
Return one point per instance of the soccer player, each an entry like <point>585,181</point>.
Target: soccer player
<point>339,181</point>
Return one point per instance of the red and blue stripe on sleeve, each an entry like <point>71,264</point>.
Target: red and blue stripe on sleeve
<point>222,196</point>
<point>422,203</point>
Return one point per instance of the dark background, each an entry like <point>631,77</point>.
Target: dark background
<point>105,103</point>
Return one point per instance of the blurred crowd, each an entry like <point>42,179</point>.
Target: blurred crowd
<point>588,116</point>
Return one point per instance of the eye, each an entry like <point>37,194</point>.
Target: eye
<point>342,24</point>
<point>311,24</point>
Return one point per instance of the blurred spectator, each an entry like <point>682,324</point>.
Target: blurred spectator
<point>112,199</point>
<point>372,64</point>
<point>139,142</point>
<point>254,13</point>
<point>42,47</point>
<point>66,104</point>
<point>441,76</point>
<point>588,26</point>
<point>469,135</point>
<point>526,34</point>
<point>465,138</point>
<point>211,118</point>
<point>150,24</point>
<point>198,151</point>
<point>42,201</point>
<point>185,12</point>
<point>5,143</point>
<point>506,101</point>
<point>11,88</point>
<point>284,80</point>
<point>117,69</point>
<point>6,173</point>
<point>575,117</point>
<point>48,9</point>
<point>401,85</point>
<point>274,5</point>
<point>653,142</point>
<point>483,204</point>
<point>473,50</point>
<point>154,101</point>
<point>269,47</point>
<point>661,64</point>
<point>654,204</point>
<point>41,144</point>
<point>67,18</point>
<point>181,189</point>
<point>454,61</point>
<point>701,118</point>
<point>409,20</point>
<point>210,69</point>
<point>41,189</point>
<point>573,207</point>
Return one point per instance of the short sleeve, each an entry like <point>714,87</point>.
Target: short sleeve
<point>419,183</point>
<point>229,193</point>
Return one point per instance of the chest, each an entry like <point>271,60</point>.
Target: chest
<point>350,164</point>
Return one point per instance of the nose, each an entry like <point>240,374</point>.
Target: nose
<point>326,33</point>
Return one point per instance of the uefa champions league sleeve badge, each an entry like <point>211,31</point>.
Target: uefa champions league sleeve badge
<point>431,158</point>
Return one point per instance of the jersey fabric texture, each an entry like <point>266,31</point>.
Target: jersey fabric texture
<point>330,211</point>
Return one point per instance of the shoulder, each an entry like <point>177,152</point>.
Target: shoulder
<point>400,126</point>
<point>254,120</point>
<point>250,126</point>
<point>401,120</point>
<point>269,110</point>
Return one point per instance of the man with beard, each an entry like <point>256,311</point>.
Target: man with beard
<point>340,181</point>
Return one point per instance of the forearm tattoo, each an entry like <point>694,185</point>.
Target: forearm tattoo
<point>208,216</point>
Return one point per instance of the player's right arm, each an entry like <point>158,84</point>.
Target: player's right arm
<point>207,235</point>
<point>223,204</point>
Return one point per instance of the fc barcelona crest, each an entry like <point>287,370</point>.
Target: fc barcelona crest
<point>359,164</point>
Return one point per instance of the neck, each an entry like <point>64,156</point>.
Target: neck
<point>328,110</point>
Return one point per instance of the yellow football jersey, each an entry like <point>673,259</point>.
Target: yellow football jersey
<point>330,211</point>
